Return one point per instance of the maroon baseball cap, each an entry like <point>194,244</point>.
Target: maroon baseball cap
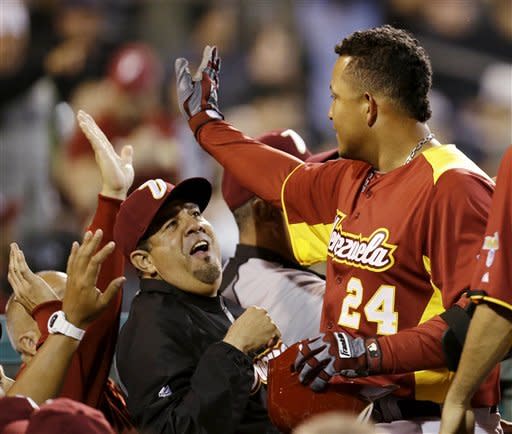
<point>16,411</point>
<point>142,207</point>
<point>65,416</point>
<point>288,141</point>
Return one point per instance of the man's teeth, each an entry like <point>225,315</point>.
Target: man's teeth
<point>201,245</point>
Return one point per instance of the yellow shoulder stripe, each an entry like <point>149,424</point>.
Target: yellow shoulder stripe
<point>309,242</point>
<point>447,157</point>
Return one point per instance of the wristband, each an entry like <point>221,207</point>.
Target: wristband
<point>59,324</point>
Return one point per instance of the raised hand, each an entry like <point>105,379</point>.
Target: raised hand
<point>336,353</point>
<point>197,96</point>
<point>30,290</point>
<point>116,170</point>
<point>83,302</point>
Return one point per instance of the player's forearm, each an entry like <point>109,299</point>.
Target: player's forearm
<point>42,379</point>
<point>488,340</point>
<point>104,219</point>
<point>260,168</point>
<point>414,349</point>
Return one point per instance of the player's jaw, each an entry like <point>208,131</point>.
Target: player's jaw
<point>203,254</point>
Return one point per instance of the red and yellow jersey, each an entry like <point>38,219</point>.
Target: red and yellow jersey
<point>493,273</point>
<point>400,247</point>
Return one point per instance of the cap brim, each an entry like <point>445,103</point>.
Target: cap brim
<point>194,190</point>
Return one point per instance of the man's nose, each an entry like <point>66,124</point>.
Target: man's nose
<point>193,226</point>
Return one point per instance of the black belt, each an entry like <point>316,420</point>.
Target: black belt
<point>405,409</point>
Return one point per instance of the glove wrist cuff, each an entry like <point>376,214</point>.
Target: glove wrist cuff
<point>203,117</point>
<point>373,355</point>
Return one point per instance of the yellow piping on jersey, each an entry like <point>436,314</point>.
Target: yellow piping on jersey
<point>432,385</point>
<point>492,300</point>
<point>446,157</point>
<point>309,242</point>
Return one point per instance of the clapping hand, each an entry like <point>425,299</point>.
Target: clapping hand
<point>30,290</point>
<point>83,302</point>
<point>116,170</point>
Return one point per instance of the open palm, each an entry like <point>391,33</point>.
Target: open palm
<point>116,170</point>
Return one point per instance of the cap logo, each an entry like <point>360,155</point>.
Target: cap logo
<point>298,141</point>
<point>157,187</point>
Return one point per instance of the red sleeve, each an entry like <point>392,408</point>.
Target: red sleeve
<point>456,223</point>
<point>258,167</point>
<point>42,314</point>
<point>415,349</point>
<point>104,219</point>
<point>88,373</point>
<point>456,226</point>
<point>493,273</point>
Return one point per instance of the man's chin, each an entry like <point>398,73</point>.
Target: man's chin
<point>208,273</point>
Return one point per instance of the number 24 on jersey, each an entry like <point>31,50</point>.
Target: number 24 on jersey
<point>379,309</point>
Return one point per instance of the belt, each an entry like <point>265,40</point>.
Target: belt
<point>389,410</point>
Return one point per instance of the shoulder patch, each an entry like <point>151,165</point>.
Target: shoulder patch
<point>448,157</point>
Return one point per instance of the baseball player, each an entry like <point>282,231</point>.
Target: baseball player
<point>399,219</point>
<point>490,334</point>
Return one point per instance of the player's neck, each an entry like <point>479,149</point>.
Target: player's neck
<point>400,144</point>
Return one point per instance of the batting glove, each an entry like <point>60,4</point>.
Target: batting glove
<point>197,96</point>
<point>336,353</point>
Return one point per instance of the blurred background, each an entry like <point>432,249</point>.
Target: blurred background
<point>114,59</point>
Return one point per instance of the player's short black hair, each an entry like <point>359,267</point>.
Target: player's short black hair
<point>392,62</point>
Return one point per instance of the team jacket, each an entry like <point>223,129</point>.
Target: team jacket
<point>179,375</point>
<point>400,247</point>
<point>260,277</point>
<point>493,273</point>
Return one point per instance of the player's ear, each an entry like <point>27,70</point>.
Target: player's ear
<point>142,261</point>
<point>27,344</point>
<point>262,210</point>
<point>371,108</point>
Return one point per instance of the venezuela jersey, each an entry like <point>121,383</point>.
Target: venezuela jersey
<point>400,247</point>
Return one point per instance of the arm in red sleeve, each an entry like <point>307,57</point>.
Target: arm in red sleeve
<point>258,167</point>
<point>456,226</point>
<point>88,373</point>
<point>104,219</point>
<point>414,349</point>
<point>457,221</point>
<point>42,314</point>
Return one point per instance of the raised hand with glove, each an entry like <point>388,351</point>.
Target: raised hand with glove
<point>197,96</point>
<point>336,353</point>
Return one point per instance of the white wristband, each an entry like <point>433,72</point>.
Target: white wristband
<point>59,324</point>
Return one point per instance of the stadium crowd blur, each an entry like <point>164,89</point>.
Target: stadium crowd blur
<point>114,59</point>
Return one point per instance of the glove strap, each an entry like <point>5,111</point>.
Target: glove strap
<point>373,355</point>
<point>203,117</point>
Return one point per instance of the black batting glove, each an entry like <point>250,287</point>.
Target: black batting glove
<point>336,353</point>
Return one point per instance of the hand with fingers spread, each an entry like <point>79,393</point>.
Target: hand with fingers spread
<point>197,96</point>
<point>29,289</point>
<point>83,302</point>
<point>336,353</point>
<point>116,170</point>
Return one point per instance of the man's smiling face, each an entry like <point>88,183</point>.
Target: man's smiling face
<point>185,251</point>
